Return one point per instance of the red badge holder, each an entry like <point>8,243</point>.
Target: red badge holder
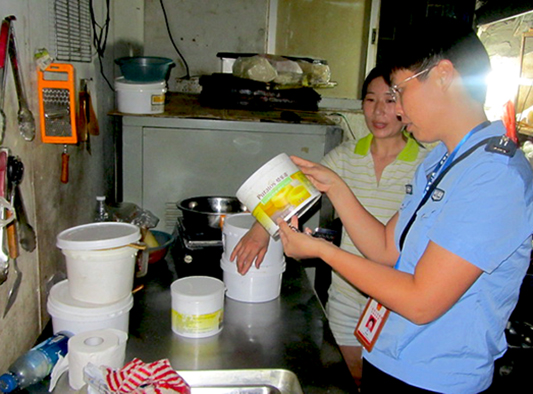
<point>371,323</point>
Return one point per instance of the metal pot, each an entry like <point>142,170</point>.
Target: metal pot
<point>208,211</point>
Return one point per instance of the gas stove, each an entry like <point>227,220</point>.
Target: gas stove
<point>197,251</point>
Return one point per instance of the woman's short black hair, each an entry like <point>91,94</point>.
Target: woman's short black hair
<point>436,39</point>
<point>376,72</point>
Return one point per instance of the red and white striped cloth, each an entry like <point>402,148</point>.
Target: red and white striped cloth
<point>138,377</point>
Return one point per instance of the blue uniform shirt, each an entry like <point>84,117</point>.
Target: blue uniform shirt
<point>482,211</point>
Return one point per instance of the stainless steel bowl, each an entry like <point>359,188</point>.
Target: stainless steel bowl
<point>208,211</point>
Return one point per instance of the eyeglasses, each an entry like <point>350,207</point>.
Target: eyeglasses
<point>395,89</point>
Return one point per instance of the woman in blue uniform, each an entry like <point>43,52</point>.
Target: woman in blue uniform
<point>448,267</point>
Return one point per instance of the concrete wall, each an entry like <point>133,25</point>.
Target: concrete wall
<point>202,28</point>
<point>53,206</point>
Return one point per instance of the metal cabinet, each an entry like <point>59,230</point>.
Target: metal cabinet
<point>165,159</point>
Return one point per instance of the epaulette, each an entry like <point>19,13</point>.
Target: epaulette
<point>502,145</point>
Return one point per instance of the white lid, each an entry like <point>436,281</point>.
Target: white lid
<point>61,304</point>
<point>102,235</point>
<point>197,287</point>
<point>126,84</point>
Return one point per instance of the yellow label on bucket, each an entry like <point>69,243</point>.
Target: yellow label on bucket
<point>282,199</point>
<point>197,324</point>
<point>277,190</point>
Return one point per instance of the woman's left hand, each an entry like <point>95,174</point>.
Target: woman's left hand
<point>296,244</point>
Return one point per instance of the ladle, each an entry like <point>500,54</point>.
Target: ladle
<point>25,116</point>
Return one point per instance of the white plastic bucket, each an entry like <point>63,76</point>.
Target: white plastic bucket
<point>258,285</point>
<point>236,226</point>
<point>69,314</point>
<point>100,265</point>
<point>140,98</point>
<point>197,306</point>
<point>277,190</point>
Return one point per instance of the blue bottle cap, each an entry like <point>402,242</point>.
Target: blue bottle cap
<point>8,383</point>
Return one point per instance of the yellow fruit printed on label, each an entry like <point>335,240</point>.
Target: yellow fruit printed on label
<point>280,198</point>
<point>298,195</point>
<point>197,323</point>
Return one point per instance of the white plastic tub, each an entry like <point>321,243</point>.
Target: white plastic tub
<point>236,226</point>
<point>140,98</point>
<point>277,190</point>
<point>100,264</point>
<point>258,285</point>
<point>197,306</point>
<point>69,314</point>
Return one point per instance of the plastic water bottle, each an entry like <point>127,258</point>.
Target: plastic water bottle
<point>36,364</point>
<point>101,213</point>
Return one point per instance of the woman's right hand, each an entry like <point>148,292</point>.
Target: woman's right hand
<point>322,177</point>
<point>251,247</point>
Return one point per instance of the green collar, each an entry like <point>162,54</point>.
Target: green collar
<point>408,153</point>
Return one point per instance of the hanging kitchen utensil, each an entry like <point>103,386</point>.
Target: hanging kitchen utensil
<point>4,257</point>
<point>83,115</point>
<point>57,104</point>
<point>58,109</point>
<point>25,232</point>
<point>25,116</point>
<point>14,176</point>
<point>64,165</point>
<point>92,120</point>
<point>5,30</point>
<point>83,119</point>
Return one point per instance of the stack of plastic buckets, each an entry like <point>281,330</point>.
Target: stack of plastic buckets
<point>97,293</point>
<point>259,284</point>
<point>142,87</point>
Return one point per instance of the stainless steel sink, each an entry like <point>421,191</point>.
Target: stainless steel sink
<point>242,381</point>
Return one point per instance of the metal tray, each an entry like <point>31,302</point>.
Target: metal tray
<point>242,381</point>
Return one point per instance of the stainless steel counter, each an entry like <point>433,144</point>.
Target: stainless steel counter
<point>290,333</point>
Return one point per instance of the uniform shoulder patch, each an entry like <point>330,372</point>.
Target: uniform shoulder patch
<point>502,145</point>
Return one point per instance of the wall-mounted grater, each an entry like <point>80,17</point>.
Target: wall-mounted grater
<point>57,102</point>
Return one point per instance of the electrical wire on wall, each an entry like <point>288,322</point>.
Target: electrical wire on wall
<point>100,37</point>
<point>345,121</point>
<point>187,74</point>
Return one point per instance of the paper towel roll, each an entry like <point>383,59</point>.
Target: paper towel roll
<point>100,347</point>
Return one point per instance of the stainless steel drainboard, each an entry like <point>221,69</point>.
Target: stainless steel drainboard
<point>242,381</point>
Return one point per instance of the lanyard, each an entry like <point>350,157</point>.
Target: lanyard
<point>448,159</point>
<point>439,172</point>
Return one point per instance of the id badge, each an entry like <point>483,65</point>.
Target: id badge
<point>370,323</point>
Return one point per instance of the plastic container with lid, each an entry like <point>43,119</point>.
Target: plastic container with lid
<point>197,306</point>
<point>236,226</point>
<point>140,97</point>
<point>258,285</point>
<point>277,190</point>
<point>100,261</point>
<point>69,314</point>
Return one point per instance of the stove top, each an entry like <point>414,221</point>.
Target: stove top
<point>198,238</point>
<point>197,252</point>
